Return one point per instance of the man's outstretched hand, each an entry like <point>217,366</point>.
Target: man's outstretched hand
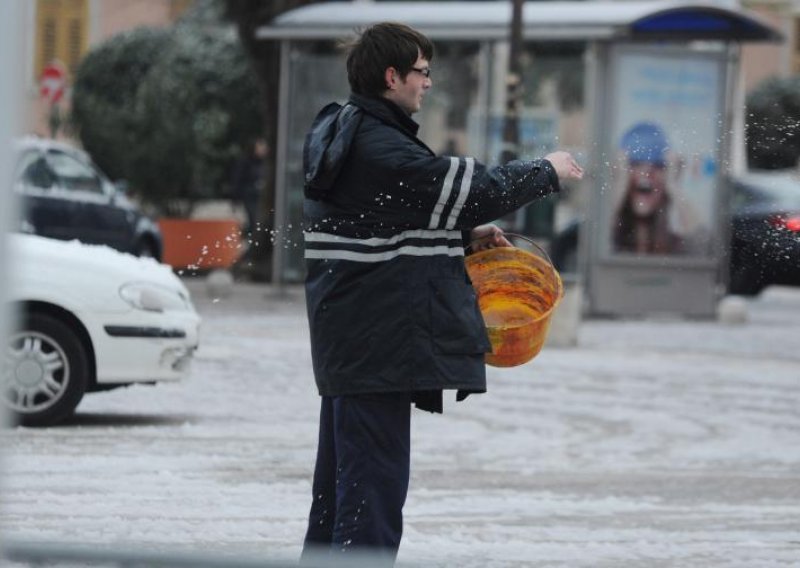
<point>565,165</point>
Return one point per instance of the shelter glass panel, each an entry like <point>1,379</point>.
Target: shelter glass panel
<point>317,77</point>
<point>552,117</point>
<point>454,101</point>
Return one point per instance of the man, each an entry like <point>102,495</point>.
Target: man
<point>248,181</point>
<point>393,316</point>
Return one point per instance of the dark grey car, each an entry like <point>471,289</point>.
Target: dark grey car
<point>765,240</point>
<point>65,196</point>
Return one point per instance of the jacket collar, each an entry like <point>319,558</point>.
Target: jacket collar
<point>386,111</point>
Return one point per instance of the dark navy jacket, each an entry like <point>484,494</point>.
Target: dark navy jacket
<point>390,306</point>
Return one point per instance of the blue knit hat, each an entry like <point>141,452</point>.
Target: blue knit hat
<point>645,142</point>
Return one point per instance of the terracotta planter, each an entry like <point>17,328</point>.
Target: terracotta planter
<point>200,244</point>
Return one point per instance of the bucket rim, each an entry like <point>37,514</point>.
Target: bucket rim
<point>475,257</point>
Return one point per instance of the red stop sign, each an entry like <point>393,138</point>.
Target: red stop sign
<point>53,82</point>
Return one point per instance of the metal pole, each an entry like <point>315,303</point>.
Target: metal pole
<point>11,96</point>
<point>597,95</point>
<point>484,100</point>
<point>513,86</point>
<point>41,553</point>
<point>732,160</point>
<point>281,214</point>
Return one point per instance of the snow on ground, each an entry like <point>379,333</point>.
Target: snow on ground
<point>653,443</point>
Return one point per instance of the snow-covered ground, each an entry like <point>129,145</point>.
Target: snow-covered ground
<point>653,443</point>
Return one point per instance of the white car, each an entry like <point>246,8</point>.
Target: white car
<point>90,319</point>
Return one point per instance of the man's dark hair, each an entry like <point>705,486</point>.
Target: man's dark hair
<point>380,46</point>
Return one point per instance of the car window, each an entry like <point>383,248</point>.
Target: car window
<point>778,189</point>
<point>34,171</point>
<point>743,195</point>
<point>74,174</point>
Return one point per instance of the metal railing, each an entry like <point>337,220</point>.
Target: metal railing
<point>55,554</point>
<point>36,554</point>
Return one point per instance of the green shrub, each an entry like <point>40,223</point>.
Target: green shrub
<point>168,110</point>
<point>773,124</point>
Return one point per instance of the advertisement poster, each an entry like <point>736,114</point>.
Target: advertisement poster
<point>665,154</point>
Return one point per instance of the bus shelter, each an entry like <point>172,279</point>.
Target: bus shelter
<point>644,94</point>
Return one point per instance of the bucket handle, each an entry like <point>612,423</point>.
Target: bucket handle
<point>530,241</point>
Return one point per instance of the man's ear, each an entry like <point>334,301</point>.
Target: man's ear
<point>390,77</point>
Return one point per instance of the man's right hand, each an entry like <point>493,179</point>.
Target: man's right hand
<point>565,165</point>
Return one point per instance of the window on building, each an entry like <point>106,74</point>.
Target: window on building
<point>62,28</point>
<point>178,7</point>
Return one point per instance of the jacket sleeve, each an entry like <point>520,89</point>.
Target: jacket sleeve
<point>461,193</point>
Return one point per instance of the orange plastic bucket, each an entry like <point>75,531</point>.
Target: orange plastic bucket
<point>517,293</point>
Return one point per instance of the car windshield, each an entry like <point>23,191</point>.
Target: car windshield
<point>779,188</point>
<point>74,174</point>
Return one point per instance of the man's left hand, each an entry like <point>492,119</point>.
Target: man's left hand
<point>485,237</point>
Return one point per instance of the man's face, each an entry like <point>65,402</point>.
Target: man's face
<point>647,187</point>
<point>407,93</point>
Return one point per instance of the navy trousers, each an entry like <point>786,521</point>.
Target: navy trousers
<point>361,475</point>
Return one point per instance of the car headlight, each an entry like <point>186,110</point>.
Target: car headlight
<point>152,297</point>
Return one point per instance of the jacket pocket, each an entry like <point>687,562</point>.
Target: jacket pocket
<point>456,323</point>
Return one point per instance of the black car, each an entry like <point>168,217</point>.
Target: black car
<point>64,196</point>
<point>765,233</point>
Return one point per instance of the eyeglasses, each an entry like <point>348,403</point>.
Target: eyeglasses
<point>425,71</point>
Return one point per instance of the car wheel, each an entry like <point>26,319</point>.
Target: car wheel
<point>45,372</point>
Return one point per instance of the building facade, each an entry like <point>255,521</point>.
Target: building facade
<point>760,62</point>
<point>64,30</point>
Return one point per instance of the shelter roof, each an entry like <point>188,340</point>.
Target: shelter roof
<point>559,20</point>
